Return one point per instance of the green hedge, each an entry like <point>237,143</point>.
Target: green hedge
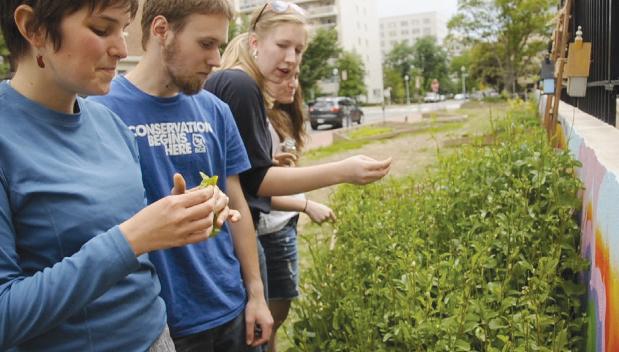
<point>480,255</point>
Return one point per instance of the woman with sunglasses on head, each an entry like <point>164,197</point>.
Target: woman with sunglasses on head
<point>73,227</point>
<point>270,53</point>
<point>277,230</point>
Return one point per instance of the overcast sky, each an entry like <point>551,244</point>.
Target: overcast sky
<point>387,8</point>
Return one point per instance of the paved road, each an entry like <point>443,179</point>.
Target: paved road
<point>413,111</point>
<point>401,113</point>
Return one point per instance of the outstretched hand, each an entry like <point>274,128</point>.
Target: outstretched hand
<point>362,169</point>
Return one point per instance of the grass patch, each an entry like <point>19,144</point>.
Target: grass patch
<point>360,137</point>
<point>335,148</point>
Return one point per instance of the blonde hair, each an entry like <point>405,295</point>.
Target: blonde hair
<point>237,53</point>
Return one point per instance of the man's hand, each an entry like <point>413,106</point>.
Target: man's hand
<point>257,318</point>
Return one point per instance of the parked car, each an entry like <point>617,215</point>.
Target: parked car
<point>335,111</point>
<point>461,96</point>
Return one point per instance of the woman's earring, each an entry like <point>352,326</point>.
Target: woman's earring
<point>40,61</point>
<point>255,54</point>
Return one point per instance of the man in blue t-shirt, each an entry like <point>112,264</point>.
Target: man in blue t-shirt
<point>213,291</point>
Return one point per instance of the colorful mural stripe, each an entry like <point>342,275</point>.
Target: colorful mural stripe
<point>589,141</point>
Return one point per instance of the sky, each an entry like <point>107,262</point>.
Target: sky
<point>387,8</point>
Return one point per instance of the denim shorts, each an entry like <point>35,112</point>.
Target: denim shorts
<point>280,250</point>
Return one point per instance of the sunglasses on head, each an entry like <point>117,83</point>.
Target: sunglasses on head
<point>278,7</point>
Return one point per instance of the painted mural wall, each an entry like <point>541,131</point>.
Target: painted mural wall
<point>596,145</point>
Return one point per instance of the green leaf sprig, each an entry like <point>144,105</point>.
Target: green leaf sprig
<point>210,181</point>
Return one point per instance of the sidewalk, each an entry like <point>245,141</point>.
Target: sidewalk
<point>319,139</point>
<point>324,138</point>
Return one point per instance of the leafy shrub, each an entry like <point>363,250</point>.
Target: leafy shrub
<point>481,255</point>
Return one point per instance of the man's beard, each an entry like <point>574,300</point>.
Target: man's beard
<point>186,83</point>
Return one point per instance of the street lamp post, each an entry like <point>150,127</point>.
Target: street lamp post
<point>408,100</point>
<point>463,70</point>
<point>336,76</point>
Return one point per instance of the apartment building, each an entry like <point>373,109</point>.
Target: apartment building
<point>409,28</point>
<point>356,23</point>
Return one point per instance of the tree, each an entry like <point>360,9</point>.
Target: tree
<point>401,58</point>
<point>314,66</point>
<point>236,27</point>
<point>430,60</point>
<point>485,67</point>
<point>512,31</point>
<point>395,84</point>
<point>425,59</point>
<point>352,74</point>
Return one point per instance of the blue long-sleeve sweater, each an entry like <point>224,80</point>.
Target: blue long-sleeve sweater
<point>69,280</point>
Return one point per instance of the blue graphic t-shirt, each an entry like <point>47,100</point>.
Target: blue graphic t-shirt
<point>201,283</point>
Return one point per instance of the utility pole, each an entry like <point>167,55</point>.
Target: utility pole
<point>408,100</point>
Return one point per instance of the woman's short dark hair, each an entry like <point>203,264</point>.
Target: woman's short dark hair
<point>48,15</point>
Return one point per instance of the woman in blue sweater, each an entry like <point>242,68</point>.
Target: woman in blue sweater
<point>74,233</point>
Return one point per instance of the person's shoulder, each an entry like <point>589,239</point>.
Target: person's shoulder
<point>100,113</point>
<point>4,99</point>
<point>92,105</point>
<point>235,79</point>
<point>210,102</point>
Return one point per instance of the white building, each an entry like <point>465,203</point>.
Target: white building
<point>356,22</point>
<point>409,28</point>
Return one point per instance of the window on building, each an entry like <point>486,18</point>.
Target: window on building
<point>415,22</point>
<point>427,31</point>
<point>393,33</point>
<point>416,31</point>
<point>404,23</point>
<point>405,32</point>
<point>427,21</point>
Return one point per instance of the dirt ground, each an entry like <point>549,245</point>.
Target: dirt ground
<point>411,154</point>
